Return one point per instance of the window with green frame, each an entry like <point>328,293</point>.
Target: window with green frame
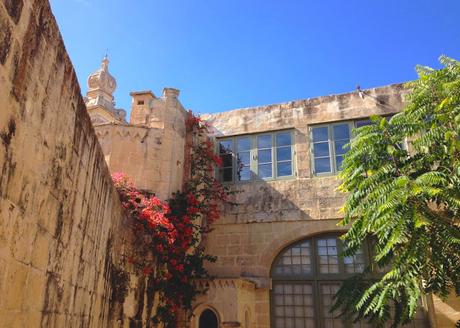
<point>328,144</point>
<point>259,156</point>
<point>305,278</point>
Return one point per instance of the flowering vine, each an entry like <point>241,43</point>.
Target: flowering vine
<point>173,230</point>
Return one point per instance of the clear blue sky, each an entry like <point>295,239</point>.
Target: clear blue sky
<point>226,54</point>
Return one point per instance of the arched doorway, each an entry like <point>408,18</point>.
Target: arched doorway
<point>208,319</point>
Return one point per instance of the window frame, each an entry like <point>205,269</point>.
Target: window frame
<point>352,124</point>
<point>330,140</point>
<point>254,157</point>
<point>317,280</point>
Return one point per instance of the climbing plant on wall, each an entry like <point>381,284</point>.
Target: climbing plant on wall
<point>172,230</point>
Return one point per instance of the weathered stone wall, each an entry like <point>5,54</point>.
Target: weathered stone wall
<point>274,214</point>
<point>62,230</point>
<point>151,148</point>
<point>296,206</point>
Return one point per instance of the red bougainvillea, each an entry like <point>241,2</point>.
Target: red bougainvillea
<point>173,230</point>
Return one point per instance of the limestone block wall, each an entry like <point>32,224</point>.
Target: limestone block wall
<point>62,229</point>
<point>297,206</point>
<point>151,148</point>
<point>134,150</point>
<point>274,214</point>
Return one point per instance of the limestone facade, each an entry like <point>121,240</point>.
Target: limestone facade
<point>63,236</point>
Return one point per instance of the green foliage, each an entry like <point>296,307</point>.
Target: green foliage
<point>406,201</point>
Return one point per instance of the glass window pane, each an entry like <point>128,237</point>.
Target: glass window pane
<point>225,146</point>
<point>244,173</point>
<point>321,149</point>
<point>283,154</point>
<point>320,134</point>
<point>327,300</point>
<point>327,254</point>
<point>322,165</point>
<point>264,141</point>
<point>338,162</point>
<point>265,170</point>
<point>284,169</point>
<point>340,148</point>
<point>227,174</point>
<point>341,131</point>
<point>283,139</point>
<point>243,158</point>
<point>227,160</point>
<point>265,156</point>
<point>296,309</point>
<point>243,144</point>
<point>297,260</point>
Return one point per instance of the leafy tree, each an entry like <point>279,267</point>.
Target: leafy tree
<point>406,201</point>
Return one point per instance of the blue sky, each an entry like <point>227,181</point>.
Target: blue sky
<point>226,54</point>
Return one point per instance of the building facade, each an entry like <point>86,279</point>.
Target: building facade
<point>277,251</point>
<point>64,237</point>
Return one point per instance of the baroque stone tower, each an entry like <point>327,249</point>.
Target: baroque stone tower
<point>150,148</point>
<point>99,99</point>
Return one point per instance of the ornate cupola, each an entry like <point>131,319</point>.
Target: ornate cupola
<point>99,99</point>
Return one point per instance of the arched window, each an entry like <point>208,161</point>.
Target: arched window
<point>208,319</point>
<point>306,276</point>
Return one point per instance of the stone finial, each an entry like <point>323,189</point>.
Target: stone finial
<point>102,80</point>
<point>101,86</point>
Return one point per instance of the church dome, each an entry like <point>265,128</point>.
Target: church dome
<point>101,79</point>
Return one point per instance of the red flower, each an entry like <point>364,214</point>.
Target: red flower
<point>147,270</point>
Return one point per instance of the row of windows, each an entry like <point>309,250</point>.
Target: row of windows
<point>264,156</point>
<point>270,155</point>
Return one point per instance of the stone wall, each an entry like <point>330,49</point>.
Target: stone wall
<point>273,214</point>
<point>151,148</point>
<point>294,206</point>
<point>62,230</point>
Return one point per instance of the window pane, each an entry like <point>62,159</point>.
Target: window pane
<point>244,173</point>
<point>338,162</point>
<point>227,160</point>
<point>322,165</point>
<point>295,260</point>
<point>225,146</point>
<point>283,139</point>
<point>283,154</point>
<point>284,169</point>
<point>265,156</point>
<point>243,158</point>
<point>244,144</point>
<point>341,131</point>
<point>294,305</point>
<point>327,253</point>
<point>264,141</point>
<point>329,319</point>
<point>320,134</point>
<point>226,174</point>
<point>321,149</point>
<point>226,154</point>
<point>340,148</point>
<point>265,170</point>
<point>354,264</point>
